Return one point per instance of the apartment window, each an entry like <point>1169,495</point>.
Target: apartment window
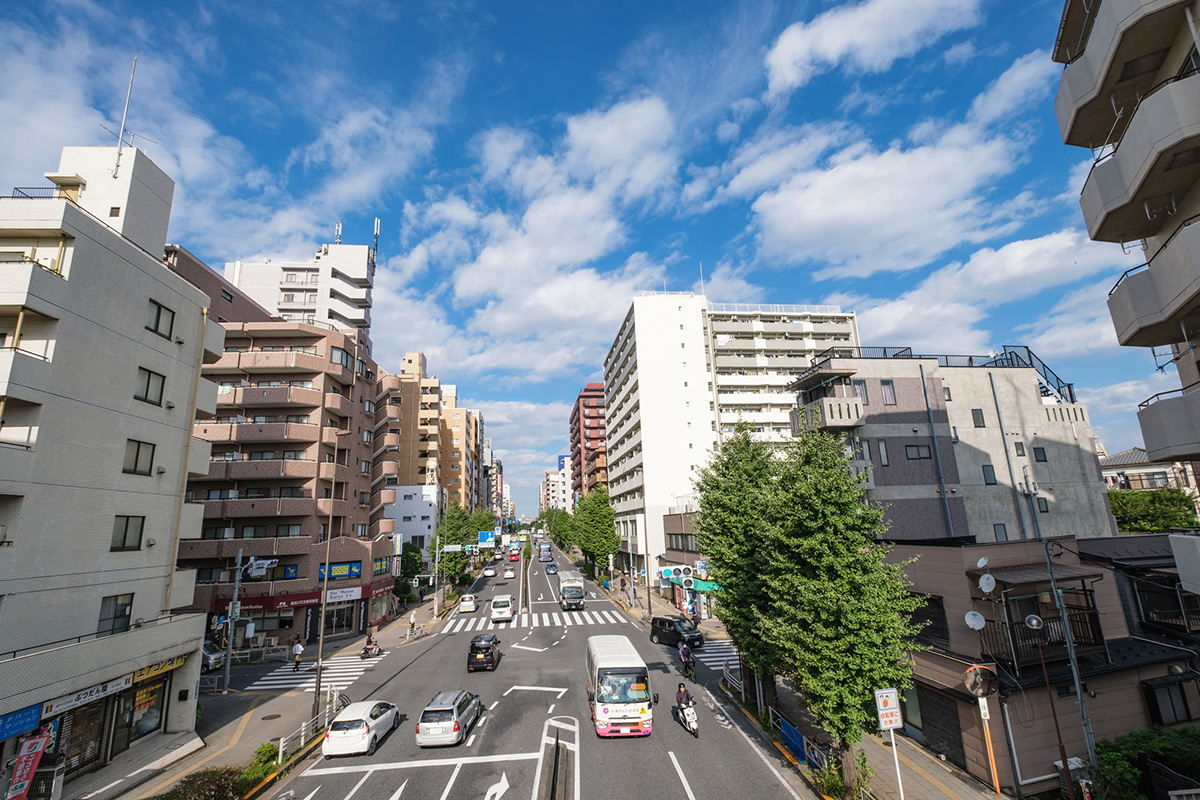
<point>888,390</point>
<point>883,454</point>
<point>230,456</point>
<point>368,406</point>
<point>160,319</point>
<point>291,491</point>
<point>114,211</point>
<point>364,467</point>
<point>293,455</point>
<point>254,532</point>
<point>364,498</point>
<point>425,518</point>
<point>1000,532</point>
<point>408,497</point>
<point>149,386</point>
<point>946,393</point>
<point>362,530</point>
<point>390,481</point>
<point>299,419</point>
<point>1039,454</point>
<point>1167,704</point>
<point>262,455</point>
<point>127,533</point>
<point>1020,446</point>
<point>367,436</point>
<point>287,531</point>
<point>139,457</point>
<point>989,475</point>
<point>226,296</point>
<point>406,519</point>
<point>1043,505</point>
<point>454,467</point>
<point>257,492</point>
<point>339,356</point>
<point>226,387</point>
<point>917,452</point>
<point>866,449</point>
<point>304,384</point>
<point>977,416</point>
<point>115,611</point>
<point>860,391</point>
<point>221,494</point>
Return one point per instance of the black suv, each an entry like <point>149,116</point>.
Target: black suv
<point>669,630</point>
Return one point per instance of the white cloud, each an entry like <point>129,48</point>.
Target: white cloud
<point>867,37</point>
<point>1079,325</point>
<point>728,284</point>
<point>1027,82</point>
<point>1113,408</point>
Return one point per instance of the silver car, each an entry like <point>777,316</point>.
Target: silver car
<point>448,718</point>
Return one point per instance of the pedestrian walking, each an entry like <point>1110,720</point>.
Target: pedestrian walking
<point>412,622</point>
<point>297,651</point>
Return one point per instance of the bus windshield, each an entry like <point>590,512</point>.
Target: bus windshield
<point>623,686</point>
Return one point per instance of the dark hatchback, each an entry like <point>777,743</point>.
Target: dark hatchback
<point>669,630</point>
<point>484,652</point>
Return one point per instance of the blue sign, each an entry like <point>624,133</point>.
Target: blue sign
<point>487,538</point>
<point>18,722</point>
<point>342,571</point>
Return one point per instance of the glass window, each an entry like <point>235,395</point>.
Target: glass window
<point>287,530</point>
<point>254,532</point>
<point>946,393</point>
<point>860,391</point>
<point>917,451</point>
<point>883,454</point>
<point>160,319</point>
<point>1000,532</point>
<point>866,449</point>
<point>257,492</point>
<point>989,475</point>
<point>1039,454</point>
<point>1043,505</point>
<point>339,356</point>
<point>149,386</point>
<point>1020,447</point>
<point>977,415</point>
<point>139,457</point>
<point>293,455</point>
<point>115,612</point>
<point>127,533</point>
<point>262,455</point>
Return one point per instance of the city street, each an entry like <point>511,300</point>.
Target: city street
<point>536,695</point>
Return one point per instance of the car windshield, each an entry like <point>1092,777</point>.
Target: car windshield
<point>685,625</point>
<point>572,592</point>
<point>623,686</point>
<point>438,715</point>
<point>343,725</point>
<point>500,604</point>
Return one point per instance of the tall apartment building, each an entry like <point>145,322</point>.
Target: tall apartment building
<point>497,487</point>
<point>1130,91</point>
<point>333,289</point>
<point>461,441</point>
<point>555,490</point>
<point>991,447</point>
<point>100,354</point>
<point>589,464</point>
<point>292,453</point>
<point>681,373</point>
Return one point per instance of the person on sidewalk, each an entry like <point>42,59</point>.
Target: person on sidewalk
<point>412,622</point>
<point>297,651</point>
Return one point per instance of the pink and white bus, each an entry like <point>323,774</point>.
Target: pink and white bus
<point>618,687</point>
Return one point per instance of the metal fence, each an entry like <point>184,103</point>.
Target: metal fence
<point>294,741</point>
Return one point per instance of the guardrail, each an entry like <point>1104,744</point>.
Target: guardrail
<point>310,730</point>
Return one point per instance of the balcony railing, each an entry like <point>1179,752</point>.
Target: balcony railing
<point>1169,606</point>
<point>1015,644</point>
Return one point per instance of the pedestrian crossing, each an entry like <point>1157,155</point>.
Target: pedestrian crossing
<point>551,619</point>
<point>339,672</point>
<point>715,652</point>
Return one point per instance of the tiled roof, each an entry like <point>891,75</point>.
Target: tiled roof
<point>1126,458</point>
<point>1035,573</point>
<point>1142,550</point>
<point>1123,654</point>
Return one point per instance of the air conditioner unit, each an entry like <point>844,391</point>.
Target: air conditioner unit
<point>233,494</point>
<point>226,576</point>
<point>271,641</point>
<point>227,533</point>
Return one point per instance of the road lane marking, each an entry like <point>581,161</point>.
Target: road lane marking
<point>481,721</point>
<point>450,783</point>
<point>534,649</point>
<point>492,707</point>
<point>435,762</point>
<point>682,779</point>
<point>750,742</point>
<point>557,620</point>
<point>561,692</point>
<point>396,796</point>
<point>470,740</point>
<point>550,710</point>
<point>357,786</point>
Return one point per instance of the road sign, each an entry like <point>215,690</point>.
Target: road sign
<point>452,548</point>
<point>984,711</point>
<point>487,538</point>
<point>887,703</point>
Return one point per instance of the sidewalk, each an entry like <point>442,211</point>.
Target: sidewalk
<point>231,727</point>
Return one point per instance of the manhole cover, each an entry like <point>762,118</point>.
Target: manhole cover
<point>271,716</point>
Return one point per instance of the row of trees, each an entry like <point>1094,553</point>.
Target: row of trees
<point>461,528</point>
<point>805,590</point>
<point>591,528</point>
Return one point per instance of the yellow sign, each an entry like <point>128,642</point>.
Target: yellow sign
<point>158,669</point>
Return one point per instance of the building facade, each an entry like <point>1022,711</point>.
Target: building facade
<point>681,373</point>
<point>991,447</point>
<point>100,355</point>
<point>589,464</point>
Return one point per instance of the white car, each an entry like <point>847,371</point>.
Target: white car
<point>359,728</point>
<point>489,572</point>
<point>510,573</point>
<point>502,608</point>
<point>466,602</point>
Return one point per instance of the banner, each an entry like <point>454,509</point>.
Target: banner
<point>28,757</point>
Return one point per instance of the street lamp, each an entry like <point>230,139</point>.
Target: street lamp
<point>316,709</point>
<point>1034,623</point>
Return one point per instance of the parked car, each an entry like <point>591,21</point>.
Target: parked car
<point>214,657</point>
<point>489,571</point>
<point>502,608</point>
<point>510,573</point>
<point>669,630</point>
<point>552,568</point>
<point>448,718</point>
<point>466,602</point>
<point>484,652</point>
<point>359,727</point>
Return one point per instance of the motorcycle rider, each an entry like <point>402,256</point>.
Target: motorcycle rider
<point>683,697</point>
<point>371,648</point>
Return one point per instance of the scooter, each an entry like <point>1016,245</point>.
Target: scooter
<point>370,651</point>
<point>688,718</point>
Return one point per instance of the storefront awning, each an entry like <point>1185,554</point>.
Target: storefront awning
<point>698,585</point>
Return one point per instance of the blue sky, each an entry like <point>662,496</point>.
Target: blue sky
<point>535,165</point>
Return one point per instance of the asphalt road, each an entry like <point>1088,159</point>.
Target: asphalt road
<point>537,693</point>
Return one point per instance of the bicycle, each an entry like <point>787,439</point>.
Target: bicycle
<point>689,669</point>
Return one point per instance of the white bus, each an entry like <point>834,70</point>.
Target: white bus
<point>618,687</point>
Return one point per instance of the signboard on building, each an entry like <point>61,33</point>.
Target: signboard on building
<point>28,756</point>
<point>21,721</point>
<point>55,707</point>
<point>887,703</point>
<point>342,595</point>
<point>158,669</point>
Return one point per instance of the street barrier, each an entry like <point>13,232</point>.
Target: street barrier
<point>310,730</point>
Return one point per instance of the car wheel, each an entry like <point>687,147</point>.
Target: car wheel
<point>396,721</point>
<point>371,747</point>
<point>654,638</point>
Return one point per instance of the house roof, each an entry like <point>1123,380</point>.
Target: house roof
<point>1123,654</point>
<point>1036,573</point>
<point>1147,550</point>
<point>1126,458</point>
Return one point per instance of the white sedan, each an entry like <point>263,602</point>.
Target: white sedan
<point>466,602</point>
<point>510,573</point>
<point>359,728</point>
<point>489,572</point>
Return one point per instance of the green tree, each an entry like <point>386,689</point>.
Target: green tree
<point>1153,511</point>
<point>595,530</point>
<point>410,562</point>
<point>454,530</point>
<point>560,525</point>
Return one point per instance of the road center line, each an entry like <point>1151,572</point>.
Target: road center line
<point>682,779</point>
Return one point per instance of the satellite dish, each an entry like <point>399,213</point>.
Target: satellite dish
<point>975,620</point>
<point>987,583</point>
<point>1034,622</point>
<point>982,562</point>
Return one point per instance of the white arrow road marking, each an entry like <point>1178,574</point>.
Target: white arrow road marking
<point>396,796</point>
<point>593,594</point>
<point>539,597</point>
<point>534,649</point>
<point>497,790</point>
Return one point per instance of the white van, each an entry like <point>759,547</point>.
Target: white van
<point>502,608</point>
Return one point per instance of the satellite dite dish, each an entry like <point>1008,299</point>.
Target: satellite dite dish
<point>987,583</point>
<point>975,620</point>
<point>982,562</point>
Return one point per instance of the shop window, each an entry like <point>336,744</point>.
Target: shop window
<point>115,612</point>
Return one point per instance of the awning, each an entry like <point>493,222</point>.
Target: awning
<point>1036,573</point>
<point>698,585</point>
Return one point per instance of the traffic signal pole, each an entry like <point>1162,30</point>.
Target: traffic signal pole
<point>231,616</point>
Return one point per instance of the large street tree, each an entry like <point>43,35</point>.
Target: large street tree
<point>560,525</point>
<point>595,529</point>
<point>410,562</point>
<point>454,530</point>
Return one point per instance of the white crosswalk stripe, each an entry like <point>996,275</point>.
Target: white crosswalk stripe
<point>555,619</point>
<point>340,672</point>
<point>715,653</point>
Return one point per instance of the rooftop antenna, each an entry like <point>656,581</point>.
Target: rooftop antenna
<point>701,277</point>
<point>124,115</point>
<point>375,247</point>
<point>337,233</point>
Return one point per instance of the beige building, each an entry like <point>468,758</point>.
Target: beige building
<point>461,442</point>
<point>293,448</point>
<point>101,348</point>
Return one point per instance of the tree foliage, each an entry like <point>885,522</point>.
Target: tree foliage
<point>1152,511</point>
<point>595,529</point>
<point>455,529</point>
<point>410,562</point>
<point>560,525</point>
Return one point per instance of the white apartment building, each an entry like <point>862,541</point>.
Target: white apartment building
<point>332,289</point>
<point>555,488</point>
<point>417,516</point>
<point>681,373</point>
<point>100,353</point>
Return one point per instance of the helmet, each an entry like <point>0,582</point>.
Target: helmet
<point>681,686</point>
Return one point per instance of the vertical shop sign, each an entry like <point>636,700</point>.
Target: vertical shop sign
<point>28,757</point>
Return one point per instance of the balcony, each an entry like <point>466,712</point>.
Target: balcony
<point>259,507</point>
<point>827,413</point>
<point>1132,194</point>
<point>340,404</point>
<point>1170,423</point>
<point>1014,643</point>
<point>257,432</point>
<point>266,547</point>
<point>263,470</point>
<point>284,396</point>
<point>1114,50</point>
<point>1148,307</point>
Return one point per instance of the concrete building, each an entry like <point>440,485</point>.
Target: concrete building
<point>961,446</point>
<point>333,289</point>
<point>589,462</point>
<point>415,515</point>
<point>554,489</point>
<point>292,456</point>
<point>227,303</point>
<point>1133,470</point>
<point>100,355</point>
<point>461,443</point>
<point>680,374</point>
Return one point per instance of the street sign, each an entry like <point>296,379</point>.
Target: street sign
<point>887,703</point>
<point>487,538</point>
<point>984,711</point>
<point>452,548</point>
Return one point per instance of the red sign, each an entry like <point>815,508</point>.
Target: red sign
<point>28,757</point>
<point>382,588</point>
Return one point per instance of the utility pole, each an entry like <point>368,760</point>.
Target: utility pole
<point>231,616</point>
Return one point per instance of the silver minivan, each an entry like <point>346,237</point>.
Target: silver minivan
<point>448,718</point>
<point>213,658</point>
